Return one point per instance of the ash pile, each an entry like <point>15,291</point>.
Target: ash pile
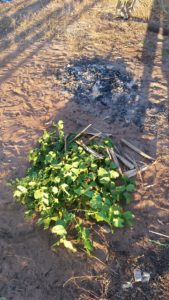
<point>103,88</point>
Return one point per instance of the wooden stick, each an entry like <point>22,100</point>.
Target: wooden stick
<point>94,136</point>
<point>85,277</point>
<point>108,152</point>
<point>133,172</point>
<point>94,153</point>
<point>160,234</point>
<point>98,131</point>
<point>81,132</point>
<point>136,149</point>
<point>114,157</point>
<point>129,158</point>
<point>65,140</point>
<point>125,161</point>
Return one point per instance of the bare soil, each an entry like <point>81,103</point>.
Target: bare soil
<point>36,38</point>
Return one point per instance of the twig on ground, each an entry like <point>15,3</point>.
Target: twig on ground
<point>133,172</point>
<point>98,131</point>
<point>98,259</point>
<point>81,132</point>
<point>85,277</point>
<point>125,161</point>
<point>159,234</point>
<point>94,153</point>
<point>131,146</point>
<point>65,140</point>
<point>91,293</point>
<point>139,172</point>
<point>126,155</point>
<point>114,157</point>
<point>165,245</point>
<point>94,136</point>
<point>108,152</point>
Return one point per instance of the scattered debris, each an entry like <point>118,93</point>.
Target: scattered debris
<point>125,164</point>
<point>141,276</point>
<point>127,285</point>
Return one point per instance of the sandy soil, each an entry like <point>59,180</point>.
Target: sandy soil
<point>36,38</point>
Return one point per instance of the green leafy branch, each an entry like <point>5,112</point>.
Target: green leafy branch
<point>66,191</point>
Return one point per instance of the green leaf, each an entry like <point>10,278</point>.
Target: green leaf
<point>75,171</point>
<point>130,188</point>
<point>96,202</point>
<point>84,235</point>
<point>108,142</point>
<point>102,172</point>
<point>45,199</point>
<point>128,217</point>
<point>67,167</point>
<point>69,245</point>
<point>79,191</point>
<point>114,174</point>
<point>88,194</point>
<point>60,125</point>
<point>101,216</point>
<point>64,188</point>
<point>59,230</point>
<point>46,222</point>
<point>50,157</point>
<point>38,194</point>
<point>32,183</point>
<point>22,189</point>
<point>118,222</point>
<point>127,197</point>
<point>55,189</point>
<point>17,194</point>
<point>104,180</point>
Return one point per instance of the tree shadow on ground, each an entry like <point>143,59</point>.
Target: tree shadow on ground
<point>37,34</point>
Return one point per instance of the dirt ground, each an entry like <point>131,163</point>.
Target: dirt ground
<point>36,37</point>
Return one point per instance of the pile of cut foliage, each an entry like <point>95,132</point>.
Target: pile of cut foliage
<point>69,189</point>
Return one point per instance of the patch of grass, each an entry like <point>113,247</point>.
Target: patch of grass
<point>68,188</point>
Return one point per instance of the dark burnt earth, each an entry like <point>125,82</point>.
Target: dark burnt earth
<point>104,88</point>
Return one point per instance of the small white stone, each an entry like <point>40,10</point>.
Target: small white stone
<point>127,285</point>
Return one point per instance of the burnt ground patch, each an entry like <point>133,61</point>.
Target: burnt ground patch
<point>105,88</point>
